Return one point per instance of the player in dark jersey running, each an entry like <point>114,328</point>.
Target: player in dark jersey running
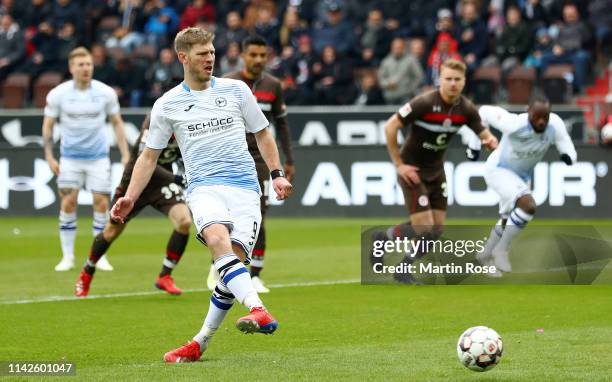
<point>164,193</point>
<point>269,94</point>
<point>435,117</point>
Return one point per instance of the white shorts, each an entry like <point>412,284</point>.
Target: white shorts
<point>509,186</point>
<point>236,208</point>
<point>94,175</point>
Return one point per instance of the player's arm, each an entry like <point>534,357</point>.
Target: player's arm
<point>143,169</point>
<point>269,152</point>
<point>563,141</point>
<point>282,128</point>
<point>472,141</point>
<point>499,118</point>
<point>117,122</point>
<point>408,172</point>
<point>47,134</point>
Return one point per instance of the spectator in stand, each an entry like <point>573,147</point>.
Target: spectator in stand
<point>600,18</point>
<point>12,45</point>
<point>67,42</point>
<point>46,49</point>
<point>335,31</point>
<point>374,40</point>
<point>444,24</point>
<point>293,27</point>
<point>104,70</point>
<point>417,49</point>
<point>515,42</point>
<point>543,45</point>
<point>570,46</point>
<point>67,11</point>
<point>162,74</point>
<point>267,26</point>
<point>129,82</point>
<point>37,12</point>
<point>472,37</point>
<point>232,31</point>
<point>444,48</point>
<point>369,91</point>
<point>196,11</point>
<point>125,39</point>
<point>161,24</point>
<point>333,78</point>
<point>300,91</point>
<point>400,75</point>
<point>534,13</point>
<point>231,60</point>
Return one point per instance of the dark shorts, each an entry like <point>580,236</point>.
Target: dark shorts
<point>263,176</point>
<point>430,194</point>
<point>161,193</point>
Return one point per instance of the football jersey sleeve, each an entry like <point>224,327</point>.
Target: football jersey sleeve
<point>52,108</point>
<point>112,102</point>
<point>499,118</point>
<point>160,129</point>
<point>563,141</point>
<point>412,110</point>
<point>254,119</point>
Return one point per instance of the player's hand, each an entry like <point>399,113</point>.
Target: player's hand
<point>289,170</point>
<point>490,142</point>
<point>53,165</point>
<point>121,209</point>
<point>409,173</point>
<point>282,187</point>
<point>472,154</point>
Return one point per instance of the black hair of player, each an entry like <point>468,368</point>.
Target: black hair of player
<point>538,97</point>
<point>253,39</point>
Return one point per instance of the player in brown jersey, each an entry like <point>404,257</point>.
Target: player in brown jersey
<point>435,117</point>
<point>164,193</point>
<point>269,94</point>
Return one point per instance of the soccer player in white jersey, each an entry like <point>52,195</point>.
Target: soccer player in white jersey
<point>209,117</point>
<point>80,107</point>
<point>526,138</point>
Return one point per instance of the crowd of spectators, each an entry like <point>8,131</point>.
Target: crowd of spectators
<point>333,52</point>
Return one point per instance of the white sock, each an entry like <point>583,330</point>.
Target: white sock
<point>220,303</point>
<point>68,228</point>
<point>99,221</point>
<point>235,275</point>
<point>516,222</point>
<point>494,237</point>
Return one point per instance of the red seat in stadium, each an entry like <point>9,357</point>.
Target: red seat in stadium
<point>557,83</point>
<point>519,84</point>
<point>486,81</point>
<point>43,86</point>
<point>15,90</point>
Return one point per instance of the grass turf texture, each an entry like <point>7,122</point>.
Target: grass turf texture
<point>327,332</point>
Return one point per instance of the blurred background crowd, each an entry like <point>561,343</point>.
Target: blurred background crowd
<point>326,52</point>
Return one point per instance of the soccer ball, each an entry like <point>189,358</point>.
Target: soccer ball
<point>479,348</point>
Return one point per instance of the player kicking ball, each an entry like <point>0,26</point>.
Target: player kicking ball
<point>209,117</point>
<point>526,138</point>
<point>164,193</point>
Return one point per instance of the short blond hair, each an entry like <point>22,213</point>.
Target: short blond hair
<point>454,64</point>
<point>81,51</point>
<point>188,37</point>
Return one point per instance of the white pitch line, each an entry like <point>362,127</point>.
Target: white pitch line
<point>150,293</point>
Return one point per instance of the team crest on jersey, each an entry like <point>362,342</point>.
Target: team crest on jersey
<point>447,123</point>
<point>220,101</point>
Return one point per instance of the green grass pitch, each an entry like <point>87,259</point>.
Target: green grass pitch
<point>331,327</point>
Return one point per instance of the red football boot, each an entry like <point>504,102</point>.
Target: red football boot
<point>166,283</point>
<point>259,321</point>
<point>186,353</point>
<point>81,289</point>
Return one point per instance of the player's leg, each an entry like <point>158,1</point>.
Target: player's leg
<point>100,219</point>
<point>519,217</point>
<point>67,227</point>
<point>98,180</point>
<point>180,217</point>
<point>99,246</point>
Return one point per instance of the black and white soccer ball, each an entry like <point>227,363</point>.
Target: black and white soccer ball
<point>480,348</point>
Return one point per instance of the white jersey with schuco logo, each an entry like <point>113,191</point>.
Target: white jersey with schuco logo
<point>209,126</point>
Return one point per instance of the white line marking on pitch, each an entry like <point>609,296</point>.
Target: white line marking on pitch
<point>151,293</point>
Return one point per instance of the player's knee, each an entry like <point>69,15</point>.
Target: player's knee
<point>216,237</point>
<point>182,224</point>
<point>528,205</point>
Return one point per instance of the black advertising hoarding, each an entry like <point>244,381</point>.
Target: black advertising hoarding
<point>356,181</point>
